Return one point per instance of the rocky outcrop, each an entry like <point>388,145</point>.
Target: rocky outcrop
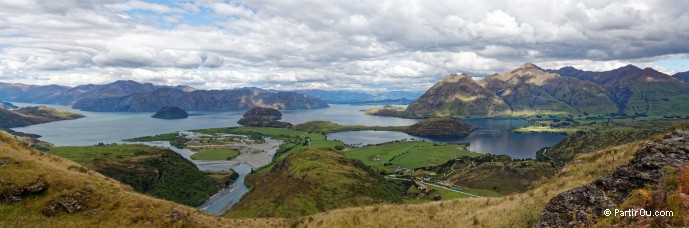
<point>200,100</point>
<point>584,205</point>
<point>263,117</point>
<point>440,126</point>
<point>70,203</point>
<point>171,113</point>
<point>11,193</point>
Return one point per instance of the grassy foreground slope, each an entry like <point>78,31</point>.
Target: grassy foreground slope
<point>48,186</point>
<point>518,210</point>
<point>311,181</point>
<point>155,171</point>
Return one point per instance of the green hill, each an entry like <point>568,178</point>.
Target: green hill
<point>311,181</point>
<point>158,172</point>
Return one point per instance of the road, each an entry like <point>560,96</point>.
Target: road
<point>439,186</point>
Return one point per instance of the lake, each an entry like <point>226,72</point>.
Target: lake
<point>111,127</point>
<point>493,136</point>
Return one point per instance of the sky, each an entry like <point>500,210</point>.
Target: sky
<point>333,45</point>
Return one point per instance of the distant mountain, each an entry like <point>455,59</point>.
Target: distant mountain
<point>525,91</point>
<point>458,95</point>
<point>530,89</point>
<point>200,100</point>
<point>354,97</point>
<point>33,115</point>
<point>638,91</point>
<point>359,97</point>
<point>63,95</point>
<point>683,76</point>
<point>7,105</point>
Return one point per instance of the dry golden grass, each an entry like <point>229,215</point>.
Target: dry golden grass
<point>111,203</point>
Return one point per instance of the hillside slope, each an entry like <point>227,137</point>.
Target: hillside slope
<point>38,189</point>
<point>517,210</point>
<point>311,181</point>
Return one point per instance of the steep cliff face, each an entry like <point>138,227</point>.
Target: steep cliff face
<point>458,95</point>
<point>200,100</point>
<point>585,205</point>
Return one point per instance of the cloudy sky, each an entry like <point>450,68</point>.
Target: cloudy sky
<point>352,44</point>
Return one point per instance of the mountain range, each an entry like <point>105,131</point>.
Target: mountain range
<point>355,97</point>
<point>131,96</point>
<point>530,90</point>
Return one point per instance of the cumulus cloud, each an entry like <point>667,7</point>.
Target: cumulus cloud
<point>353,44</point>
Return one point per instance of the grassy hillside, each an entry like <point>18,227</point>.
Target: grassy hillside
<point>311,181</point>
<point>581,143</point>
<point>158,172</point>
<point>57,192</point>
<point>517,210</point>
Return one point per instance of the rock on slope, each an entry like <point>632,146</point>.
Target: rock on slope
<point>582,206</point>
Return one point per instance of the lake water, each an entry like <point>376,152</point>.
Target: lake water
<point>493,136</point>
<point>111,127</point>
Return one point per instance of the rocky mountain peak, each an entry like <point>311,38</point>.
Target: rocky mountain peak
<point>529,66</point>
<point>456,77</point>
